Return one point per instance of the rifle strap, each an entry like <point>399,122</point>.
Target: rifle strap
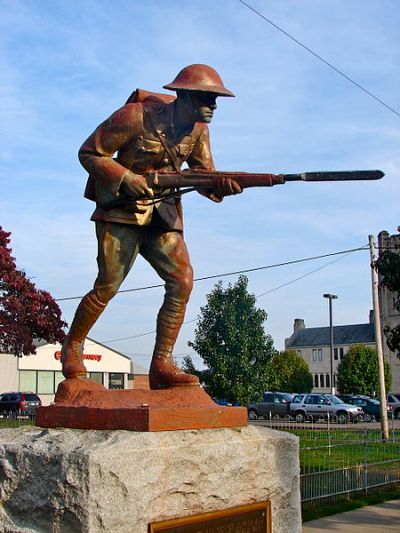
<point>169,149</point>
<point>172,155</point>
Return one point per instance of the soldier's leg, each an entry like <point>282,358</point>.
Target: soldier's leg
<point>168,255</point>
<point>118,246</point>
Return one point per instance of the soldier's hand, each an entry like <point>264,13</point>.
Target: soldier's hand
<point>136,186</point>
<point>224,187</point>
<point>227,187</point>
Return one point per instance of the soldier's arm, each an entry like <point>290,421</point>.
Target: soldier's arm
<point>201,158</point>
<point>96,153</point>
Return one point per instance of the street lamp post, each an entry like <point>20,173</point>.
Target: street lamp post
<point>331,297</point>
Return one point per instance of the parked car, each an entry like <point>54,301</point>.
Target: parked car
<point>13,404</point>
<point>273,404</point>
<point>370,406</point>
<point>394,402</point>
<point>306,406</point>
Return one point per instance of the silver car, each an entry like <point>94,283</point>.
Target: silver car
<point>393,401</point>
<point>309,406</point>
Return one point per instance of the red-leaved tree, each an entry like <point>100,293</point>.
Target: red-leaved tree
<point>26,312</point>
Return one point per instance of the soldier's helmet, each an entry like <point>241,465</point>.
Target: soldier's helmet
<point>199,78</point>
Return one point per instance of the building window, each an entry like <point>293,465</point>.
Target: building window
<point>316,380</point>
<point>298,352</point>
<point>27,380</point>
<point>327,380</point>
<point>115,380</point>
<point>39,381</point>
<point>341,353</point>
<point>58,377</point>
<point>314,355</point>
<point>321,380</point>
<point>336,354</point>
<point>45,382</point>
<point>320,354</point>
<point>97,377</point>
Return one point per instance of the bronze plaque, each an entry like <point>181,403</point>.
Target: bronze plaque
<point>252,518</point>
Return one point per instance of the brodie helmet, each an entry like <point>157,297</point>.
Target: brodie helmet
<point>199,78</point>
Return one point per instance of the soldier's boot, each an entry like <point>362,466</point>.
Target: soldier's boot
<point>163,371</point>
<point>87,313</point>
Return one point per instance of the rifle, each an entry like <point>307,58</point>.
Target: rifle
<point>192,179</point>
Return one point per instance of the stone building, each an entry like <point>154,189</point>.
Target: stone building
<point>390,316</point>
<point>313,344</point>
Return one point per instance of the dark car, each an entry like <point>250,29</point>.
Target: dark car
<point>273,404</point>
<point>13,404</point>
<point>370,406</point>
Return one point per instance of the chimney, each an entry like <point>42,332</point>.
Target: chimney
<point>298,325</point>
<point>371,316</point>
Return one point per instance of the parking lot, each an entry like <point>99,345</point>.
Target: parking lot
<point>322,424</point>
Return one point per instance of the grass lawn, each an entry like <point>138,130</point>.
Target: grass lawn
<point>10,423</point>
<point>322,450</point>
<point>346,455</point>
<point>373,498</point>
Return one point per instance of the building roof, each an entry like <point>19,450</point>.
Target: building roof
<point>41,342</point>
<point>139,370</point>
<point>352,334</point>
<point>108,348</point>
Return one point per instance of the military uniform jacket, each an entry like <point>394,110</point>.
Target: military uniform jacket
<point>133,133</point>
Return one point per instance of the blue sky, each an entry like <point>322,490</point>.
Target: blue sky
<point>67,65</point>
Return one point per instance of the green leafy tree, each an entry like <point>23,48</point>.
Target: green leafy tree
<point>388,268</point>
<point>231,340</point>
<point>358,372</point>
<point>289,373</point>
<point>188,367</point>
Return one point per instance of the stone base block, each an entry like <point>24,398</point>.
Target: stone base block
<point>77,481</point>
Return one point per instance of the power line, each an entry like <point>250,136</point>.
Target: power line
<point>303,276</point>
<point>258,296</point>
<point>234,273</point>
<point>338,71</point>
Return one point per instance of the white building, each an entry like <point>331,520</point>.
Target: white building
<point>313,344</point>
<point>41,373</point>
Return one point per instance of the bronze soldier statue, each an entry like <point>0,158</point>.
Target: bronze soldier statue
<point>150,133</point>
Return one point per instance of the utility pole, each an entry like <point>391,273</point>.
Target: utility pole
<point>331,297</point>
<point>378,341</point>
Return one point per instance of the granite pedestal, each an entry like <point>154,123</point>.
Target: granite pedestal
<point>92,481</point>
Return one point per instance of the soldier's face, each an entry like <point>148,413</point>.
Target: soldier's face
<point>204,105</point>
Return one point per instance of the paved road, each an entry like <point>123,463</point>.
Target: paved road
<point>382,518</point>
<point>322,425</point>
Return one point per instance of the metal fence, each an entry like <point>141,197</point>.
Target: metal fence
<point>341,460</point>
<point>14,420</point>
<point>336,460</point>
